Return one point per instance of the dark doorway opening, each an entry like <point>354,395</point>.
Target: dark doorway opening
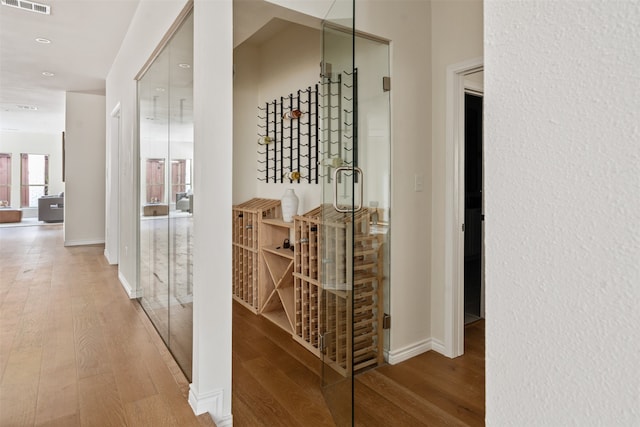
<point>473,213</point>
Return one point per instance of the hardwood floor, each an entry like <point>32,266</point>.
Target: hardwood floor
<point>277,383</point>
<point>74,350</point>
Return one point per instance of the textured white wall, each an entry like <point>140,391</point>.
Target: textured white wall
<point>562,94</point>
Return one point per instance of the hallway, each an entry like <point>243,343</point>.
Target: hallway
<point>74,350</point>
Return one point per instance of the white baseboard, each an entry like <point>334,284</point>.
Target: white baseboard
<point>439,347</point>
<point>212,403</point>
<point>127,287</point>
<point>406,353</point>
<point>83,242</point>
<point>107,255</point>
<point>226,421</point>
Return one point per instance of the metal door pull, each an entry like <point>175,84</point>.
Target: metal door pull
<point>355,170</point>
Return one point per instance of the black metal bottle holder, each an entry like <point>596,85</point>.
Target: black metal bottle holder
<point>290,134</point>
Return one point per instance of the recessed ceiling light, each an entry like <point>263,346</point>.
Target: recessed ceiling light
<point>48,74</point>
<point>183,65</point>
<point>43,40</point>
<point>27,107</point>
<point>160,89</point>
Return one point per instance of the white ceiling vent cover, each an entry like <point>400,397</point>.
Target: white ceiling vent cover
<point>28,5</point>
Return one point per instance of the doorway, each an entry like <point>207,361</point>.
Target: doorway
<point>460,79</point>
<point>473,207</point>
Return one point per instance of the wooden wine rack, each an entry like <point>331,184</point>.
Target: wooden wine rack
<point>276,286</point>
<point>248,269</point>
<point>304,295</point>
<point>309,308</point>
<point>332,307</point>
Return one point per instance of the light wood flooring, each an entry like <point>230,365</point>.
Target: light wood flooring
<point>276,382</point>
<point>74,350</point>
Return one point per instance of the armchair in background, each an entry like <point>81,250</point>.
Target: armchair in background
<point>51,208</point>
<point>184,201</point>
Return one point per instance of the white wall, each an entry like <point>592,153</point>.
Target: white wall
<point>245,101</point>
<point>213,130</point>
<point>562,107</point>
<point>405,24</point>
<point>266,72</point>
<point>456,31</point>
<point>84,204</point>
<point>16,143</point>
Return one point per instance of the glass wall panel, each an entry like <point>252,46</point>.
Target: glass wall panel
<point>180,195</point>
<point>165,102</point>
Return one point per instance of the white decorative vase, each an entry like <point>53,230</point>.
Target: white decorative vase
<point>289,203</point>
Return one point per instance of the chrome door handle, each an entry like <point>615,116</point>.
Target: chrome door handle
<point>355,170</point>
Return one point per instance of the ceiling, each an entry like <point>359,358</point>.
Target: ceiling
<point>85,38</point>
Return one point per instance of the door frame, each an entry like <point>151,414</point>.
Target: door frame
<point>454,205</point>
<point>477,89</point>
<point>112,222</point>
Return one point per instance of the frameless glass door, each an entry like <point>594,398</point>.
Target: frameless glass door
<point>340,179</point>
<point>356,199</point>
<point>165,96</point>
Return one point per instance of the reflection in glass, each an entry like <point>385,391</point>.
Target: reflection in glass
<point>155,180</point>
<point>165,97</point>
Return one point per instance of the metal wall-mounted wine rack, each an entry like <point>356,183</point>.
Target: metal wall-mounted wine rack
<point>298,131</point>
<point>339,117</point>
<point>288,138</point>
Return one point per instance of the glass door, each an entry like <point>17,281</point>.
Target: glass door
<point>340,179</point>
<point>165,98</point>
<point>356,147</point>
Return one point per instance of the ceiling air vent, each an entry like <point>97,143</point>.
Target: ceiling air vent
<point>28,5</point>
